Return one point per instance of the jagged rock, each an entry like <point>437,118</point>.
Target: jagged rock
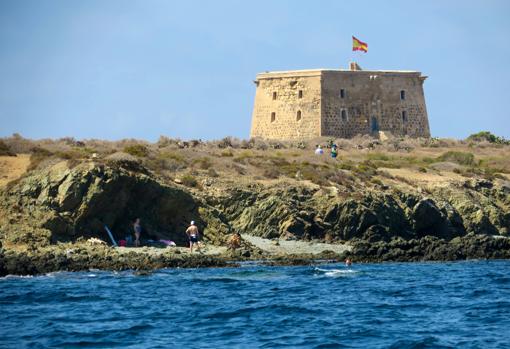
<point>70,203</point>
<point>428,219</point>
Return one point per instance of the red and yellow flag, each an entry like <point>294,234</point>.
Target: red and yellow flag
<point>358,45</point>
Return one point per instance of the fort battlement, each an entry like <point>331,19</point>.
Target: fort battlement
<point>339,103</point>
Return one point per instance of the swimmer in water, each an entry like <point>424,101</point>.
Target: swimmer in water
<point>348,262</point>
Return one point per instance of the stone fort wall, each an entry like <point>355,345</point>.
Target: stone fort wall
<point>338,103</point>
<point>364,102</point>
<point>287,106</point>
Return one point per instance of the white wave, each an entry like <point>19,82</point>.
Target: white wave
<point>336,272</point>
<point>11,276</point>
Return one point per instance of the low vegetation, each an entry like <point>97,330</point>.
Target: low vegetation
<point>362,158</point>
<point>486,136</point>
<point>5,150</point>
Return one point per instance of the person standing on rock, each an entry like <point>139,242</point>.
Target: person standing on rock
<point>137,228</point>
<point>192,233</point>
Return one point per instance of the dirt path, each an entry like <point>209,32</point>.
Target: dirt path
<point>294,247</point>
<point>208,250</point>
<point>275,247</point>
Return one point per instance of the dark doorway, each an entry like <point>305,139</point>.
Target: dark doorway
<point>374,125</point>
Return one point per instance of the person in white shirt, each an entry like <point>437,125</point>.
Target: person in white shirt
<point>319,150</point>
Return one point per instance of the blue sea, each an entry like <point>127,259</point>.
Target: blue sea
<point>390,305</point>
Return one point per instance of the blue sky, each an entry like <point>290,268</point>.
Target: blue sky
<point>139,69</point>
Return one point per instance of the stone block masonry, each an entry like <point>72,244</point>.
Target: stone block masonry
<point>339,103</point>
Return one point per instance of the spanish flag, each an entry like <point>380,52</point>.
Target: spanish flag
<point>358,45</point>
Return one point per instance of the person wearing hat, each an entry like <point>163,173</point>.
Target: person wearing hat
<point>192,233</point>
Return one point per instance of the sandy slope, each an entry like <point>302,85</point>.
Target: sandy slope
<point>12,167</point>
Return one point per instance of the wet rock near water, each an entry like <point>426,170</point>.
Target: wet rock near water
<point>431,248</point>
<point>79,258</point>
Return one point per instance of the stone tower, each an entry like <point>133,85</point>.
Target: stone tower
<point>339,103</point>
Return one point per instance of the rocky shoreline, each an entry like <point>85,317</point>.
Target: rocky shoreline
<point>360,210</point>
<point>82,257</point>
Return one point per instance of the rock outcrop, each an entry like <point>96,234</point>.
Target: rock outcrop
<point>62,203</point>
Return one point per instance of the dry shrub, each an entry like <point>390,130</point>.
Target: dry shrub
<point>259,144</point>
<point>366,170</point>
<point>271,173</point>
<point>5,150</point>
<point>227,153</point>
<point>341,177</point>
<point>239,169</point>
<point>168,160</point>
<point>229,142</point>
<point>138,150</point>
<point>189,180</point>
<point>385,174</point>
<point>38,155</point>
<point>406,180</point>
<point>165,141</point>
<point>211,172</point>
<point>121,157</point>
<point>459,157</point>
<point>204,163</point>
<point>19,145</point>
<point>247,144</point>
<point>244,156</point>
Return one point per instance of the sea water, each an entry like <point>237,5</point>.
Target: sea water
<point>390,305</point>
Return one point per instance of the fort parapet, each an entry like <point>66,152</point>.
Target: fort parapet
<point>303,104</point>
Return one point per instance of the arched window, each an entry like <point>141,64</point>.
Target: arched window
<point>342,93</point>
<point>300,94</point>
<point>298,115</point>
<point>404,116</point>
<point>274,96</point>
<point>343,114</point>
<point>273,116</point>
<point>402,94</point>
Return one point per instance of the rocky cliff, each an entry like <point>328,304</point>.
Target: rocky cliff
<point>379,215</point>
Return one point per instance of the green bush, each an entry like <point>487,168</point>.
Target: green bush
<point>459,157</point>
<point>189,181</point>
<point>487,136</point>
<point>138,150</point>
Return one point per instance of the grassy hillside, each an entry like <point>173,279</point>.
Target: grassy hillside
<point>195,163</point>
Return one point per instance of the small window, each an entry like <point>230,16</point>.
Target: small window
<point>342,93</point>
<point>343,113</point>
<point>402,94</point>
<point>300,94</point>
<point>298,115</point>
<point>404,116</point>
<point>274,96</point>
<point>273,116</point>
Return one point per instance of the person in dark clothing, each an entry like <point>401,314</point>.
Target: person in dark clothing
<point>137,228</point>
